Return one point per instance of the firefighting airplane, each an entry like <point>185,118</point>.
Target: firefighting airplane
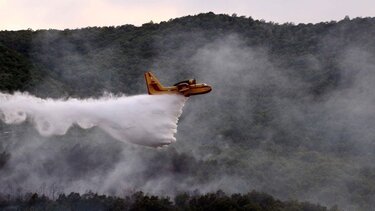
<point>186,88</point>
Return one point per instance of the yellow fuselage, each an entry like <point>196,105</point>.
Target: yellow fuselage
<point>185,88</point>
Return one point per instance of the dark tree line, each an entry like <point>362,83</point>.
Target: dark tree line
<point>253,201</point>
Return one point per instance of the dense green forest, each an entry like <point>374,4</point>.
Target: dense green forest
<point>291,112</point>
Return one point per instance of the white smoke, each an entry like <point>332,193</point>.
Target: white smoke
<point>149,120</point>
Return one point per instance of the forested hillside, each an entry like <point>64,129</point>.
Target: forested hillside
<point>291,112</point>
<point>111,58</point>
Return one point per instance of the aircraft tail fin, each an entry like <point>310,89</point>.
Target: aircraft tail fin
<point>153,84</point>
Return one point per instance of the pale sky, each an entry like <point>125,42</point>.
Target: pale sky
<point>62,14</point>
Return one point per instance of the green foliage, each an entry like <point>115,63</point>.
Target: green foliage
<point>14,70</point>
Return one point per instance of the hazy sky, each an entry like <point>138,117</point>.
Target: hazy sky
<point>61,14</point>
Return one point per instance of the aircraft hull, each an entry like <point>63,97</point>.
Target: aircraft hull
<point>186,88</point>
